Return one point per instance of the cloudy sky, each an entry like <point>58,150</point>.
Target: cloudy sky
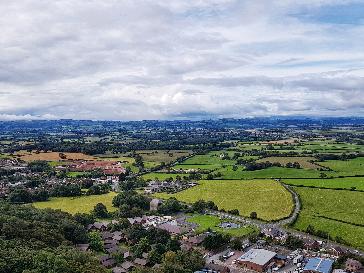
<point>158,59</point>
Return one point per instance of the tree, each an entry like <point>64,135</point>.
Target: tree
<point>215,241</point>
<point>95,241</point>
<point>84,219</point>
<point>100,211</point>
<point>142,246</point>
<point>236,244</point>
<point>172,205</point>
<point>20,195</point>
<point>253,215</point>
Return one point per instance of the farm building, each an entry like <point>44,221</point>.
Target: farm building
<point>318,265</point>
<point>257,259</point>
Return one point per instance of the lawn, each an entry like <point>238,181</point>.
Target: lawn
<point>206,222</point>
<point>83,204</point>
<point>272,172</point>
<point>334,183</point>
<point>343,208</point>
<point>266,197</point>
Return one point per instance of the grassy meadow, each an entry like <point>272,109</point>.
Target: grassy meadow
<point>340,213</point>
<point>82,204</point>
<point>266,197</point>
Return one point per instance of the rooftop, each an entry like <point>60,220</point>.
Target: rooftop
<point>319,265</point>
<point>258,256</point>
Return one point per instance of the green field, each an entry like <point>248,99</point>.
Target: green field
<point>206,222</point>
<point>303,161</point>
<point>334,183</point>
<point>272,172</point>
<point>162,176</point>
<point>212,158</point>
<point>344,208</point>
<point>266,197</point>
<point>83,204</point>
<point>346,168</point>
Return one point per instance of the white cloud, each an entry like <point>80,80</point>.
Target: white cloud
<point>153,59</point>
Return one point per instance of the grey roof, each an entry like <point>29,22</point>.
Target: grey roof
<point>319,265</point>
<point>258,256</point>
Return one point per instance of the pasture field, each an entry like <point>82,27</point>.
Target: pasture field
<point>51,156</point>
<point>266,197</point>
<point>348,167</point>
<point>162,176</point>
<point>212,158</point>
<point>195,167</point>
<point>159,156</point>
<point>82,204</point>
<point>303,161</point>
<point>334,183</point>
<point>340,213</point>
<point>206,222</point>
<point>330,147</point>
<point>272,172</point>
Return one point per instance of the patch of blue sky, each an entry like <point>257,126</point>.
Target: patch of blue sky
<point>352,14</point>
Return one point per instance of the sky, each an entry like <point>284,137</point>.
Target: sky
<point>197,59</point>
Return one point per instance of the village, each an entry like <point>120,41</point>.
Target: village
<point>269,252</point>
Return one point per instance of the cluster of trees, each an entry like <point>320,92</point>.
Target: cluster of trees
<point>22,195</point>
<point>344,156</point>
<point>201,205</point>
<point>130,203</point>
<point>253,166</point>
<point>216,240</point>
<point>35,241</point>
<point>98,189</point>
<point>177,262</point>
<point>171,206</point>
<point>66,190</point>
<point>39,166</point>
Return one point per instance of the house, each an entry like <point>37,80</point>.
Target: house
<point>257,259</point>
<point>154,204</point>
<point>83,247</point>
<point>352,265</point>
<point>119,270</point>
<point>172,229</point>
<point>275,234</point>
<point>106,235</point>
<point>127,265</point>
<point>336,251</point>
<point>141,262</point>
<point>310,244</point>
<point>107,261</point>
<point>217,268</point>
<point>318,265</point>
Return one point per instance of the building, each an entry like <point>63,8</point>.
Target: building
<point>318,265</point>
<point>352,265</point>
<point>257,259</point>
<point>154,204</point>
